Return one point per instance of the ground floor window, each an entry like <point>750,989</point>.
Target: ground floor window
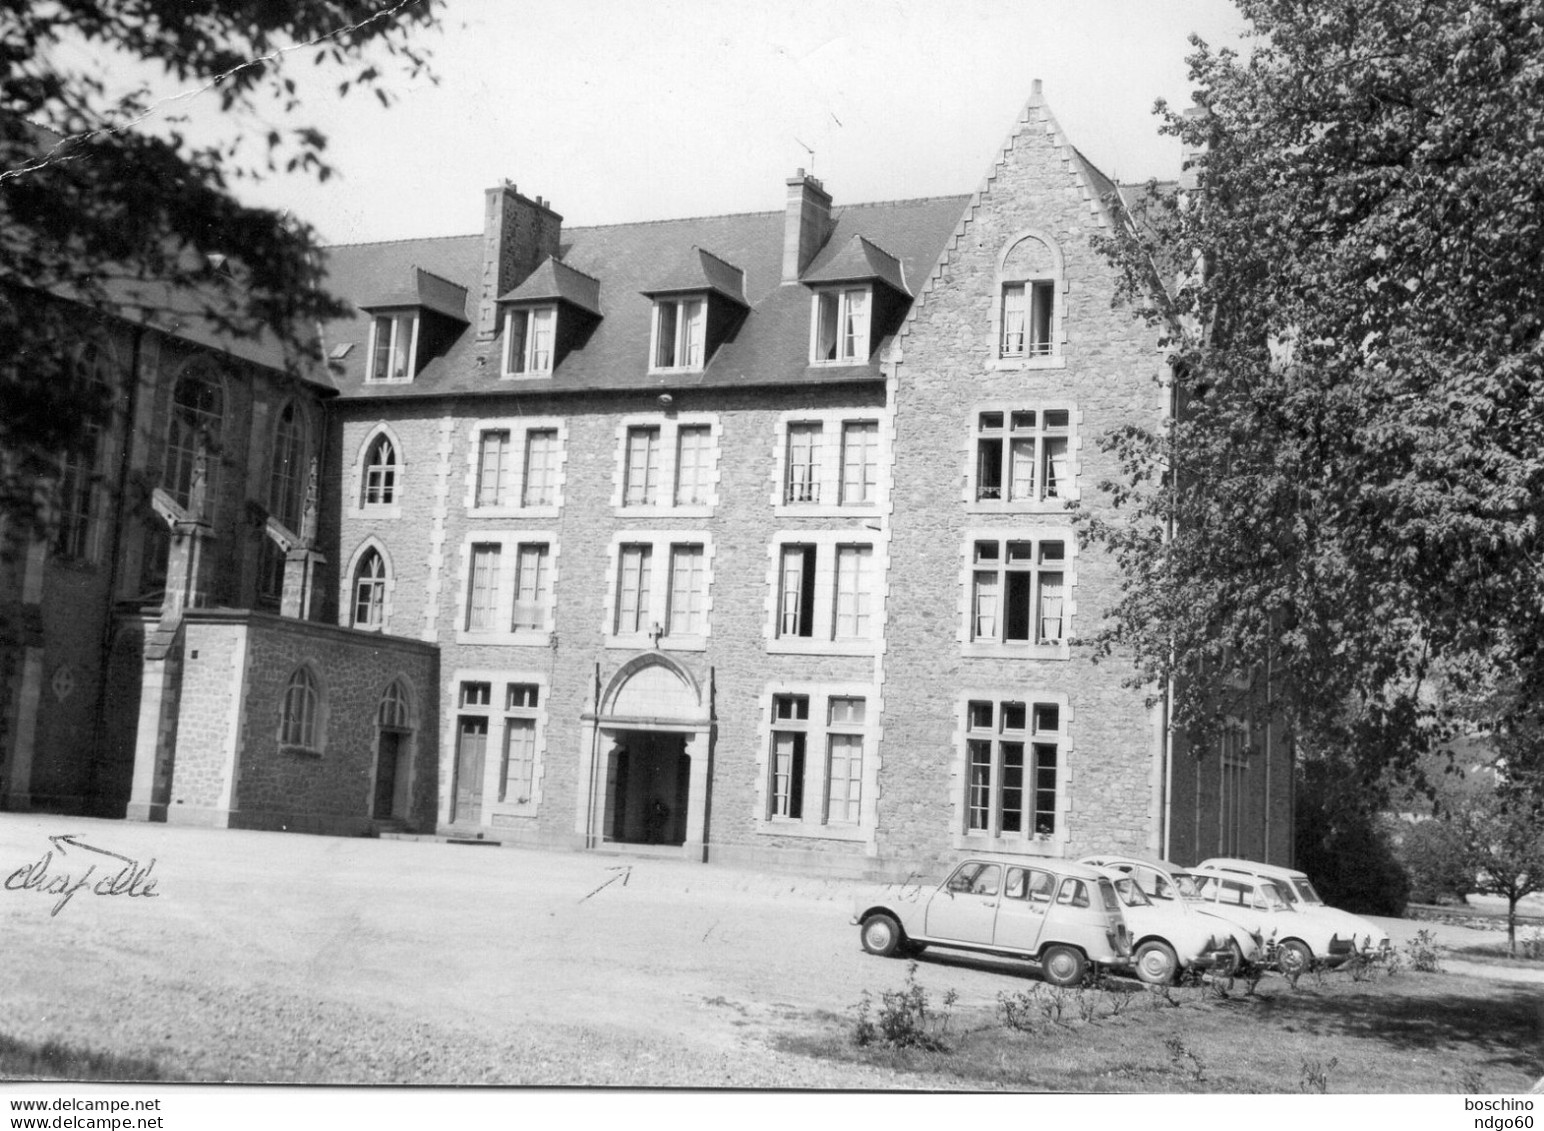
<point>1013,762</point>
<point>819,749</point>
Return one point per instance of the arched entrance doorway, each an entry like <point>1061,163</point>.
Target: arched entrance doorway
<point>650,745</point>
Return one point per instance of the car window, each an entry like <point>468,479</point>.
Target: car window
<point>1131,893</point>
<point>1107,893</point>
<point>1307,892</point>
<point>1234,894</point>
<point>976,879</point>
<point>1073,892</point>
<point>1270,898</point>
<point>1190,887</point>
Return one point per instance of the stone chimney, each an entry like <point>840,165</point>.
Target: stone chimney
<point>518,233</point>
<point>806,225</point>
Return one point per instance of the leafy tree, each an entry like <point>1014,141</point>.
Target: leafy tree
<point>1350,497</point>
<point>1340,839</point>
<point>94,211</point>
<point>1487,825</point>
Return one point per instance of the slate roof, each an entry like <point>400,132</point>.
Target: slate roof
<point>701,270</point>
<point>421,288</point>
<point>860,259</point>
<point>769,347</point>
<point>555,281</point>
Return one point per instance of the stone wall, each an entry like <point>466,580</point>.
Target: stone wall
<point>231,768</point>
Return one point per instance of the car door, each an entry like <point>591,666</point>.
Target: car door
<point>964,908</point>
<point>1021,913</point>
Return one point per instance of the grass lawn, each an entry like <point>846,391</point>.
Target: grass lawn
<point>1402,1033</point>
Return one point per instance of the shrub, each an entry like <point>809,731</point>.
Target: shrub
<point>1424,954</point>
<point>903,1019</point>
<point>1316,1074</point>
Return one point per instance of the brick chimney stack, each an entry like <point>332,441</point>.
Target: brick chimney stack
<point>518,233</point>
<point>806,226</point>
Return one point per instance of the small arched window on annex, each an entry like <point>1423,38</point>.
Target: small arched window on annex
<point>365,602</point>
<point>81,467</point>
<point>1029,303</point>
<point>379,474</point>
<point>287,481</point>
<point>302,714</point>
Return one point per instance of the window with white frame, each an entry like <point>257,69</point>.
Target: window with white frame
<point>827,592</point>
<point>529,334</point>
<point>1022,456</point>
<point>1234,768</point>
<point>521,714</point>
<point>839,332</point>
<point>667,464</point>
<point>694,465</point>
<point>680,333</point>
<point>369,592</point>
<point>860,462</point>
<point>640,487</point>
<point>1028,315</point>
<point>844,759</point>
<point>515,465</point>
<point>378,478</point>
<point>393,337</point>
<point>790,744</point>
<point>817,741</point>
<point>1018,591</point>
<point>509,587</point>
<point>1027,321</point>
<point>801,477</point>
<point>300,719</point>
<point>829,462</point>
<point>1013,768</point>
<point>660,589</point>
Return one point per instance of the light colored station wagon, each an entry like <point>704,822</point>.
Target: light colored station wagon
<point>1169,935</point>
<point>1062,916</point>
<point>1367,937</point>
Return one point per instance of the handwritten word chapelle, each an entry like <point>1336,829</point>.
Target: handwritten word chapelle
<point>42,876</point>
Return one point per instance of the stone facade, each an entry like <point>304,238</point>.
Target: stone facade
<point>804,592</point>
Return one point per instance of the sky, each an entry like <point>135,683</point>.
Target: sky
<point>624,110</point>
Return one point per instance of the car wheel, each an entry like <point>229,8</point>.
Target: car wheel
<point>881,935</point>
<point>1156,962</point>
<point>1062,965</point>
<point>1293,956</point>
<point>1233,963</point>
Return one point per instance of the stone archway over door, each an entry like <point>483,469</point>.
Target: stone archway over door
<point>650,745</point>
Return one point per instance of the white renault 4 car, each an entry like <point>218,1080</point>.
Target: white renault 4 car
<point>1367,937</point>
<point>1062,916</point>
<point>1253,902</point>
<point>1170,932</point>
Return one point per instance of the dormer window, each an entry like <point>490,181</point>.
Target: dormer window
<point>392,346</point>
<point>680,332</point>
<point>841,326</point>
<point>529,336</point>
<point>1027,318</point>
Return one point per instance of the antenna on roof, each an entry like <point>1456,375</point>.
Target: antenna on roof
<point>810,151</point>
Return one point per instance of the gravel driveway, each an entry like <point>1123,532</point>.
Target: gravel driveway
<point>273,957</point>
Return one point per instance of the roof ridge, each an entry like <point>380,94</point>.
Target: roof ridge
<point>838,209</point>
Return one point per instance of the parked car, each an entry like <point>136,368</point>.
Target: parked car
<point>1300,935</point>
<point>1365,936</point>
<point>1062,916</point>
<point>1168,934</point>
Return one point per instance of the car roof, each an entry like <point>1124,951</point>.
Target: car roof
<point>1253,867</point>
<point>1060,867</point>
<point>1106,861</point>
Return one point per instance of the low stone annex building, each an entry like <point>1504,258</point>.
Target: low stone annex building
<point>744,538</point>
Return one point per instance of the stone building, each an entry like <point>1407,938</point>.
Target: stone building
<point>745,538</point>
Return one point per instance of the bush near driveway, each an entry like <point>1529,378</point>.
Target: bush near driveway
<point>1332,1033</point>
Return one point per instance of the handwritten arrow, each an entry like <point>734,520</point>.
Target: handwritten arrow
<point>74,841</point>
